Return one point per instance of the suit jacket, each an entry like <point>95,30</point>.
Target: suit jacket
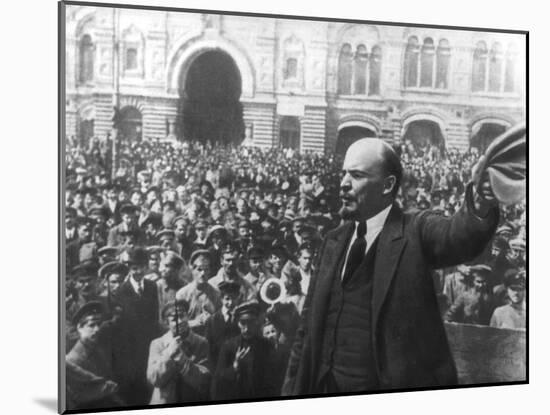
<point>408,337</point>
<point>217,332</point>
<point>163,371</point>
<point>115,214</point>
<point>139,325</point>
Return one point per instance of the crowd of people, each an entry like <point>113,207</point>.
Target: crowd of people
<point>187,265</point>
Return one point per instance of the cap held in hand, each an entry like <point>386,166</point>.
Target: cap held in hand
<point>504,162</point>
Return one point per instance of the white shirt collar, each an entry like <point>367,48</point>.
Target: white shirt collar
<point>374,227</point>
<point>136,285</point>
<point>225,313</point>
<point>376,223</point>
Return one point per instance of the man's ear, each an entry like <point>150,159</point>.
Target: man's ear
<point>389,184</point>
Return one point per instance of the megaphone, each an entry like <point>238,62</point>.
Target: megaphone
<point>272,291</point>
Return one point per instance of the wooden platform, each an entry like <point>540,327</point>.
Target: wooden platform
<point>487,354</point>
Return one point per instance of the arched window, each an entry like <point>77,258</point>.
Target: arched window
<point>495,68</point>
<point>291,68</point>
<point>427,63</point>
<point>411,62</point>
<point>131,58</point>
<point>375,69</point>
<point>133,51</point>
<point>361,59</point>
<point>510,74</point>
<point>86,59</point>
<point>443,57</point>
<point>345,70</point>
<point>292,63</point>
<point>480,67</point>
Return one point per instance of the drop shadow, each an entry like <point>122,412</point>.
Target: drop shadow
<point>47,403</point>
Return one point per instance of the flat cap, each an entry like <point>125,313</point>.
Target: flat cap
<point>136,256</point>
<point>517,243</point>
<point>165,233</point>
<point>86,269</point>
<point>515,280</point>
<point>198,253</point>
<point>110,251</point>
<point>247,310</point>
<point>229,287</point>
<point>113,267</point>
<point>89,309</point>
<point>256,252</point>
<point>129,209</point>
<point>481,269</point>
<point>170,308</point>
<point>279,251</point>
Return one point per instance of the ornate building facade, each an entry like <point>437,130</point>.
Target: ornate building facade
<point>309,85</point>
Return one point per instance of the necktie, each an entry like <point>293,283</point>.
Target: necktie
<point>140,289</point>
<point>357,251</point>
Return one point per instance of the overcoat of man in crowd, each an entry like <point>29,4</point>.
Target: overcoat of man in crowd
<point>90,376</point>
<point>138,299</point>
<point>371,318</point>
<point>222,325</point>
<point>178,367</point>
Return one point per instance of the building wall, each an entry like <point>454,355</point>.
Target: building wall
<point>168,42</point>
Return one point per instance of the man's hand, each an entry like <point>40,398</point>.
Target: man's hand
<point>203,317</point>
<point>242,352</point>
<point>111,387</point>
<point>174,348</point>
<point>117,313</point>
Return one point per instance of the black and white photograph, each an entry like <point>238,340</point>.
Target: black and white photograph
<point>270,207</point>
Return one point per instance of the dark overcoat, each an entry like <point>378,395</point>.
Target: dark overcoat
<point>408,337</point>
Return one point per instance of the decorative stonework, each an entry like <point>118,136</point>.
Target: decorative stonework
<point>212,23</point>
<point>157,65</point>
<point>261,49</point>
<point>292,65</point>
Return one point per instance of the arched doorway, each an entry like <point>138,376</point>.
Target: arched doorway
<point>209,107</point>
<point>289,133</point>
<point>348,135</point>
<point>85,126</point>
<point>130,123</point>
<point>86,130</point>
<point>423,134</point>
<point>484,134</point>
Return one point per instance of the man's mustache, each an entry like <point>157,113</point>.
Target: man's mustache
<point>345,196</point>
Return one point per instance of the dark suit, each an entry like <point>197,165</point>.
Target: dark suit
<point>115,214</point>
<point>217,332</point>
<point>138,327</point>
<point>408,340</point>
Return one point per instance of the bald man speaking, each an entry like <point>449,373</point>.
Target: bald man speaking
<point>371,319</point>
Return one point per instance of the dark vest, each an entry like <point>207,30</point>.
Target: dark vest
<point>347,343</point>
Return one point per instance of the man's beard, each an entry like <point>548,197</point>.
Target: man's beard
<point>231,273</point>
<point>347,213</point>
